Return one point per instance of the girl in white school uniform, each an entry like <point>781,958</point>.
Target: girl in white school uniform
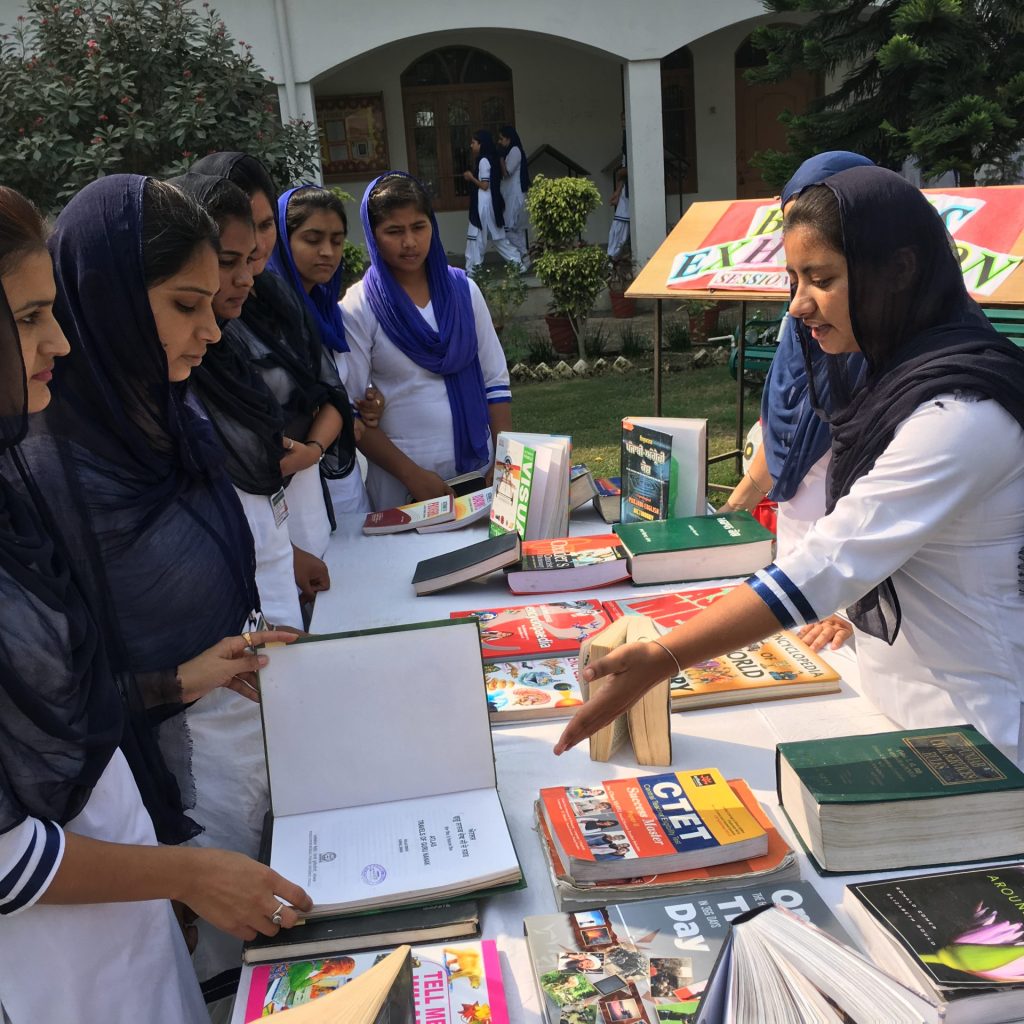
<point>923,537</point>
<point>515,180</point>
<point>421,331</point>
<point>487,206</point>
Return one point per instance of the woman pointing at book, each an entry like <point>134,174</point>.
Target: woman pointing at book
<point>924,532</point>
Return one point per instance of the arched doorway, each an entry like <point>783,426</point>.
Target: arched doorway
<point>678,123</point>
<point>448,94</point>
<point>758,107</point>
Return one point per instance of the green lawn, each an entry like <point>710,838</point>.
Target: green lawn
<point>591,410</point>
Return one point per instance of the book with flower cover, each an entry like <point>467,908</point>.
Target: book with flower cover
<point>454,983</point>
<point>520,691</point>
<point>779,863</point>
<point>957,936</point>
<point>411,516</point>
<point>627,828</point>
<point>532,631</point>
<point>648,962</point>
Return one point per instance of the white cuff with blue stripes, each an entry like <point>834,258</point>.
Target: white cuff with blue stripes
<point>783,597</point>
<point>29,856</point>
<point>499,393</point>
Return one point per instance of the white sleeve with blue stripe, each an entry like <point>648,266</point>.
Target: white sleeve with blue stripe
<point>30,854</point>
<point>939,461</point>
<point>492,355</point>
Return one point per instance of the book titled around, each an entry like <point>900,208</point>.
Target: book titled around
<point>625,828</point>
<point>696,547</point>
<point>902,799</point>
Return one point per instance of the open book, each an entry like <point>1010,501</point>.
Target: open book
<point>375,806</point>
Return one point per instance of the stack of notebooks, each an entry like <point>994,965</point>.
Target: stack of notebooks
<point>663,834</point>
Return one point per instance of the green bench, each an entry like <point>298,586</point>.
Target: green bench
<point>1008,322</point>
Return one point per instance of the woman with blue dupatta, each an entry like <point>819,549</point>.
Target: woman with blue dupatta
<point>422,332</point>
<point>922,540</point>
<point>515,180</point>
<point>308,255</point>
<point>486,205</point>
<point>791,464</point>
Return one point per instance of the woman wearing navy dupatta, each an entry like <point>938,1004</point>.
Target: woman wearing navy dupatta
<point>83,881</point>
<point>515,180</point>
<point>923,537</point>
<point>486,205</point>
<point>421,331</point>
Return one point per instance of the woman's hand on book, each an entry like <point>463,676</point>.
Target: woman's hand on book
<point>832,632</point>
<point>633,669</point>
<point>424,484</point>
<point>230,663</point>
<point>239,895</point>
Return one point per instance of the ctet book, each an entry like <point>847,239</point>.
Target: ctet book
<point>524,632</point>
<point>901,799</point>
<point>456,982</point>
<point>628,828</point>
<point>568,563</point>
<point>664,468</point>
<point>468,508</point>
<point>468,563</point>
<point>411,516</point>
<point>955,936</point>
<point>608,499</point>
<point>328,935</point>
<point>777,968</point>
<point>531,485</point>
<point>522,691</point>
<point>696,548</point>
<point>646,723</point>
<point>648,961</point>
<point>361,819</point>
<point>777,865</point>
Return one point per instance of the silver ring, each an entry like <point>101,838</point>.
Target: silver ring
<point>276,916</point>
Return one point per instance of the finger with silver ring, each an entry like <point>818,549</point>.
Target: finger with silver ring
<point>275,917</point>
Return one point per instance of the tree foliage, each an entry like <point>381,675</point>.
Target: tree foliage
<point>142,86</point>
<point>941,81</point>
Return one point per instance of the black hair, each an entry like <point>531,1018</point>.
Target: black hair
<point>22,229</point>
<point>818,208</point>
<point>306,201</point>
<point>394,192</point>
<point>174,226</point>
<point>227,201</point>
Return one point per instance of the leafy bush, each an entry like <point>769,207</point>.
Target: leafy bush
<point>504,291</point>
<point>141,86</point>
<point>575,278</point>
<point>559,208</point>
<point>634,342</point>
<point>677,336</point>
<point>539,349</point>
<point>595,342</point>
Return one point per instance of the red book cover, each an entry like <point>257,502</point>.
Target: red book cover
<point>570,552</point>
<point>666,610</point>
<point>386,517</point>
<point>536,630</point>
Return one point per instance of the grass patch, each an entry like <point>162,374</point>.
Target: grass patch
<point>591,410</point>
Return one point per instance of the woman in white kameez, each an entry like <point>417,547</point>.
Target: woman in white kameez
<point>923,537</point>
<point>515,180</point>
<point>487,208</point>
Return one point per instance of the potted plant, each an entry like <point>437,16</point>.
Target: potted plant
<point>354,261</point>
<point>574,271</point>
<point>703,315</point>
<point>619,279</point>
<point>503,291</point>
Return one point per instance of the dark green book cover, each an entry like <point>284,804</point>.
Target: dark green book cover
<point>691,533</point>
<point>911,764</point>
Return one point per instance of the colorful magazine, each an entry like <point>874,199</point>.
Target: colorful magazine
<point>536,630</point>
<point>456,983</point>
<point>647,962</point>
<point>523,690</point>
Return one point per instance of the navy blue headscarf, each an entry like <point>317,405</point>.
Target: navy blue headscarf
<point>517,143</point>
<point>322,301</point>
<point>488,152</point>
<point>452,351</point>
<point>921,339</point>
<point>795,437</point>
<point>132,455</point>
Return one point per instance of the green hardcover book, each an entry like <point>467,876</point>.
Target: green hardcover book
<point>902,799</point>
<point>696,548</point>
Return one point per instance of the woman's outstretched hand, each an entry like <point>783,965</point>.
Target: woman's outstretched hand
<point>832,632</point>
<point>634,669</point>
<point>230,663</point>
<point>239,895</point>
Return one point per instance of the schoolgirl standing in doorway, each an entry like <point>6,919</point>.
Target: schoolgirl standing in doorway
<point>486,207</point>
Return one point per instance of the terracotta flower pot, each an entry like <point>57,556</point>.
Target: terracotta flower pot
<point>622,308</point>
<point>561,333</point>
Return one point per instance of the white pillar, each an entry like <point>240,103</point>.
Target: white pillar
<point>645,150</point>
<point>305,110</point>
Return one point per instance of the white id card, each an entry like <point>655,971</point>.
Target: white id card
<point>280,507</point>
